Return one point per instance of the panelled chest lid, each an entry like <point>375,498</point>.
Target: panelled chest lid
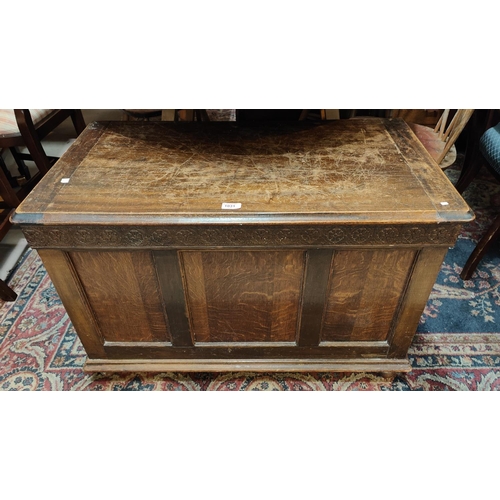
<point>344,171</point>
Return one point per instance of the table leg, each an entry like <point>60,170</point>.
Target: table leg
<point>6,293</point>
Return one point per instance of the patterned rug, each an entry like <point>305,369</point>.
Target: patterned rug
<point>456,348</point>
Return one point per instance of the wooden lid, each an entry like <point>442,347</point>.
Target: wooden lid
<point>359,170</point>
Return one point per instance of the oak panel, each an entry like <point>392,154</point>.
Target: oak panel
<point>243,296</point>
<point>365,289</point>
<point>69,288</point>
<point>425,270</point>
<point>123,291</point>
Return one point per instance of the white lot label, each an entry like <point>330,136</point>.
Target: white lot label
<point>231,206</point>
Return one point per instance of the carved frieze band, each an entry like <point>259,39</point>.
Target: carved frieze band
<point>199,236</point>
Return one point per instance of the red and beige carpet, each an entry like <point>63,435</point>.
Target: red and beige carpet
<point>456,348</point>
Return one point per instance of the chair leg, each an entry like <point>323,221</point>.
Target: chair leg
<point>7,193</point>
<point>31,140</point>
<point>472,166</point>
<point>23,169</point>
<point>481,248</point>
<point>39,157</point>
<point>78,121</point>
<point>202,115</point>
<point>5,174</point>
<point>6,293</point>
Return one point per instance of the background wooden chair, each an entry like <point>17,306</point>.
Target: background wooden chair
<point>23,128</point>
<point>428,117</point>
<point>440,140</point>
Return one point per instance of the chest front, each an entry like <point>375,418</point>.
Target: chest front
<point>217,246</point>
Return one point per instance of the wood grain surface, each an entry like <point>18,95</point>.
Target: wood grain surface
<point>123,291</point>
<point>354,170</point>
<point>243,296</point>
<point>365,290</point>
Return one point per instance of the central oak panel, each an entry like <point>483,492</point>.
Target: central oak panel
<point>243,296</point>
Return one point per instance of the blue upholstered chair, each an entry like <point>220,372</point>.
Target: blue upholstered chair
<point>489,145</point>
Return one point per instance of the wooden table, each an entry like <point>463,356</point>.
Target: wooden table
<point>263,247</point>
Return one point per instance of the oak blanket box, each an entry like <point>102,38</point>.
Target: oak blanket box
<point>297,246</point>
